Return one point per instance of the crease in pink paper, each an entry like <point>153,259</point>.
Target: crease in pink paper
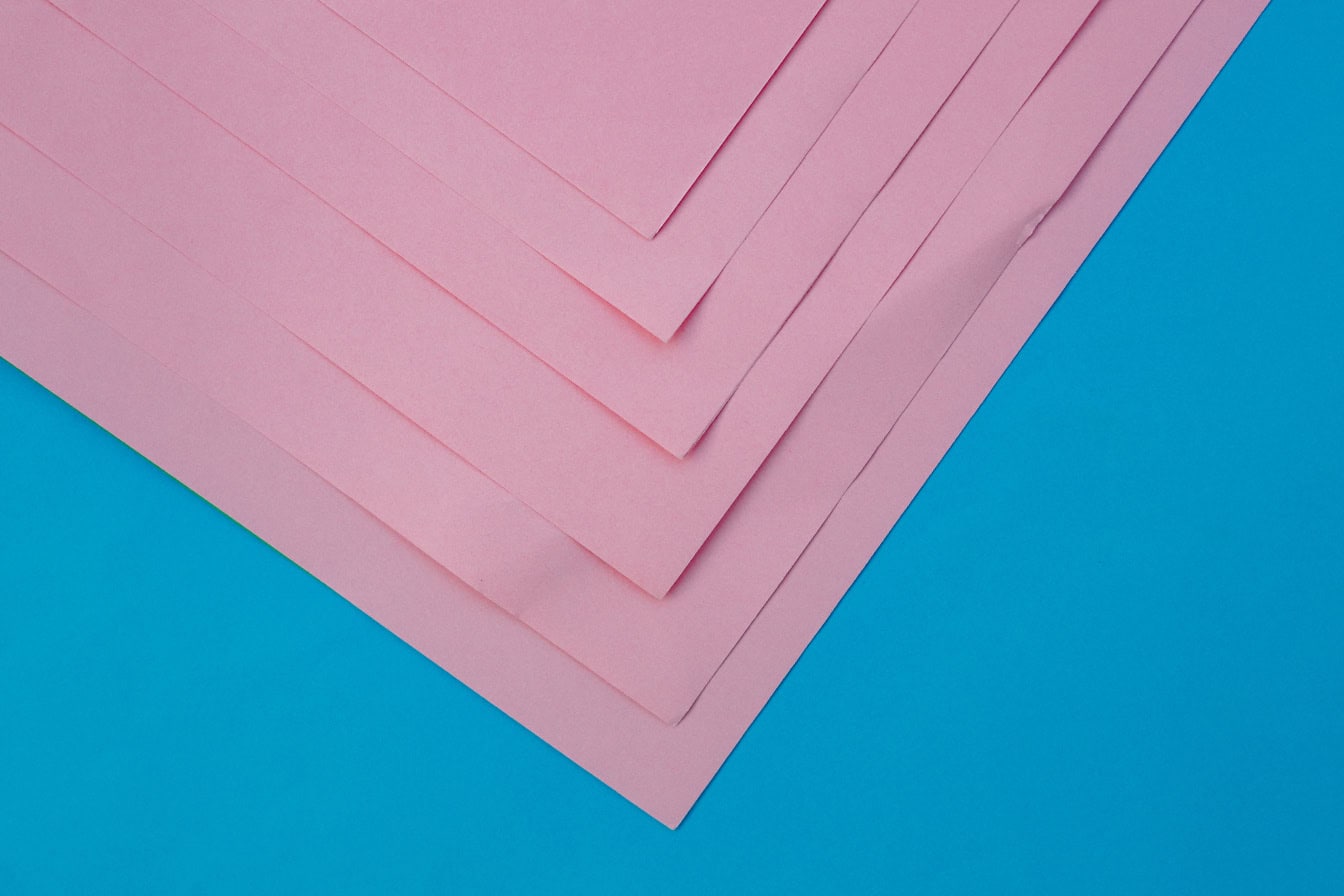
<point>678,646</point>
<point>662,769</point>
<point>531,431</point>
<point>671,392</point>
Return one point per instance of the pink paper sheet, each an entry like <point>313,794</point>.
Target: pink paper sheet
<point>661,769</point>
<point>671,392</point>
<point>656,282</point>
<point>628,101</point>
<point>661,656</point>
<point>638,510</point>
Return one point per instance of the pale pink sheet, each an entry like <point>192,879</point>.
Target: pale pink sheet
<point>622,498</point>
<point>661,656</point>
<point>628,101</point>
<point>670,392</point>
<point>656,282</point>
<point>660,768</point>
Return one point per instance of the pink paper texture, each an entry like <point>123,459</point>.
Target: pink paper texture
<point>628,101</point>
<point>642,512</point>
<point>672,392</point>
<point>660,655</point>
<point>656,282</point>
<point>660,768</point>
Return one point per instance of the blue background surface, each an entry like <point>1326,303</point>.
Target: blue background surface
<point>1102,652</point>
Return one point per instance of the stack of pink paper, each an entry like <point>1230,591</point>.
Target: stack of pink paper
<point>591,348</point>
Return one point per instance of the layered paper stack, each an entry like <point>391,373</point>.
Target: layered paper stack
<point>591,348</point>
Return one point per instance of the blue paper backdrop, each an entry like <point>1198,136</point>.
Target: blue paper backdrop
<point>1103,652</point>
